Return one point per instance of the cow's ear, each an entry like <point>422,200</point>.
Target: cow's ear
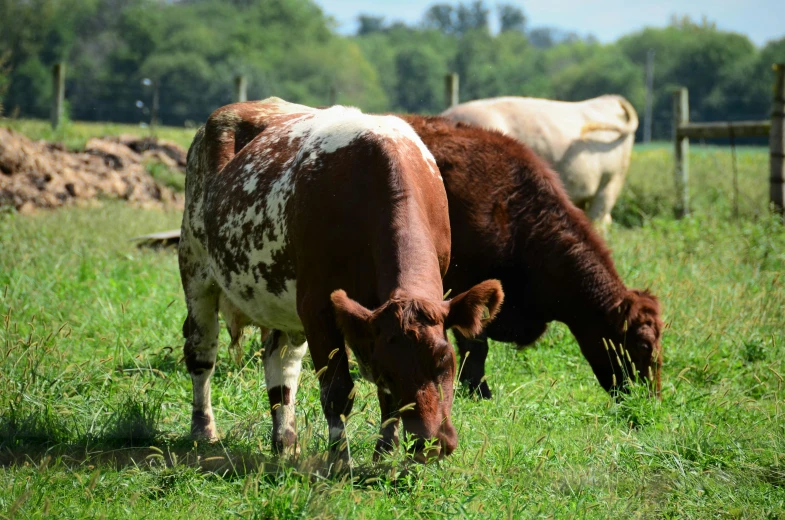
<point>353,319</point>
<point>469,312</point>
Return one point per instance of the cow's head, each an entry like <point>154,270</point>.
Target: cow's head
<point>405,343</point>
<point>628,344</point>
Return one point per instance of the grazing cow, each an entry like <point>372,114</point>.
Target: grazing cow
<point>589,142</point>
<point>329,226</point>
<point>512,220</point>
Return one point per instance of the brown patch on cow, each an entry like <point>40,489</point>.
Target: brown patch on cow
<point>279,395</point>
<point>196,366</point>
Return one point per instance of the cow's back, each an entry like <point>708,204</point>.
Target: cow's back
<point>548,127</point>
<point>577,138</point>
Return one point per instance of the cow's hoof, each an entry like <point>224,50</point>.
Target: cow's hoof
<point>289,449</point>
<point>480,390</point>
<point>383,448</point>
<point>203,427</point>
<point>339,462</point>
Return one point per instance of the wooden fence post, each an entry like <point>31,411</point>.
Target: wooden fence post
<point>777,142</point>
<point>240,89</point>
<point>681,144</point>
<point>332,95</point>
<point>154,109</point>
<point>58,93</point>
<point>451,82</point>
<point>649,96</point>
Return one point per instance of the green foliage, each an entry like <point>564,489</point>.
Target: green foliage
<point>418,71</point>
<point>288,48</point>
<point>75,135</point>
<point>511,18</point>
<point>193,50</point>
<point>605,70</point>
<point>170,178</point>
<point>5,72</point>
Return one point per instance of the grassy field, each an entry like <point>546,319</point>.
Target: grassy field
<point>95,402</point>
<point>74,135</point>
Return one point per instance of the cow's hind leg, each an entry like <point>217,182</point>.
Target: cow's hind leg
<point>201,347</point>
<point>599,209</point>
<point>283,359</point>
<point>236,322</point>
<point>473,352</point>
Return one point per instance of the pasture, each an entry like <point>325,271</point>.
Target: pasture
<point>95,401</point>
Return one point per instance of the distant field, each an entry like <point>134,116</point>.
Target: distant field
<point>74,135</point>
<point>649,191</point>
<point>95,402</point>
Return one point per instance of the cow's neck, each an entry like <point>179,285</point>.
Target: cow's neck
<point>573,277</point>
<point>408,263</point>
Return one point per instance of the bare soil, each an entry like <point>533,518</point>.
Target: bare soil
<point>38,174</point>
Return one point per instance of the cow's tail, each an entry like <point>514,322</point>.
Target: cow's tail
<point>626,128</point>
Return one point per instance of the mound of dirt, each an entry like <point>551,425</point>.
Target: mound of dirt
<point>168,152</point>
<point>45,175</point>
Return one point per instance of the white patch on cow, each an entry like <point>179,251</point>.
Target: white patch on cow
<point>332,129</point>
<point>282,369</point>
<point>283,366</point>
<point>386,390</point>
<point>336,434</point>
<point>201,387</point>
<point>250,183</point>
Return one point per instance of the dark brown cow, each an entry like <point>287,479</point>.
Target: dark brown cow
<point>512,220</point>
<point>288,211</point>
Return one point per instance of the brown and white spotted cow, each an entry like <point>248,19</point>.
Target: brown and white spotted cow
<point>289,212</point>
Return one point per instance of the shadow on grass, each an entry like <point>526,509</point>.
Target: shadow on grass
<point>633,209</point>
<point>166,361</point>
<point>223,461</point>
<point>131,438</point>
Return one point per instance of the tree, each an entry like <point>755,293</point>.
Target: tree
<point>511,18</point>
<point>605,70</point>
<point>419,71</point>
<point>369,24</point>
<point>440,17</point>
<point>717,67</point>
<point>471,17</point>
<point>5,73</point>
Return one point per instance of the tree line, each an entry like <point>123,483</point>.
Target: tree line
<point>193,49</point>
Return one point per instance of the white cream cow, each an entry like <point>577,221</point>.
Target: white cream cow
<point>588,143</point>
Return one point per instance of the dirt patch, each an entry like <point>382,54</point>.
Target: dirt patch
<point>37,174</point>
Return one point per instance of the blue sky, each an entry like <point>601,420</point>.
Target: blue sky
<point>761,20</point>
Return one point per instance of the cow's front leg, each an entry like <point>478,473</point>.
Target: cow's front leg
<point>330,360</point>
<point>473,352</point>
<point>336,397</point>
<point>389,427</point>
<point>283,359</point>
<point>201,348</point>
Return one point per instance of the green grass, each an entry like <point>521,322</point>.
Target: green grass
<point>74,135</point>
<point>94,398</point>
